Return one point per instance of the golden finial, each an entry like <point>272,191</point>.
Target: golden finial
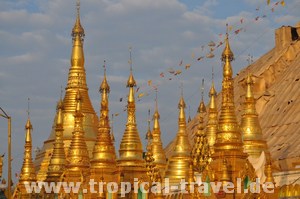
<point>104,85</point>
<point>148,134</point>
<point>181,104</point>
<point>28,125</point>
<point>227,53</point>
<point>112,129</point>
<point>212,91</point>
<point>202,90</point>
<point>78,6</point>
<point>131,82</point>
<point>249,83</point>
<point>77,29</point>
<point>28,128</point>
<point>59,108</point>
<point>156,115</point>
<point>202,108</point>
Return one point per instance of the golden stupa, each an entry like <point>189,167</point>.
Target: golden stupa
<point>27,174</point>
<point>212,121</point>
<point>81,147</point>
<point>157,145</point>
<point>180,160</point>
<point>57,163</point>
<point>76,81</point>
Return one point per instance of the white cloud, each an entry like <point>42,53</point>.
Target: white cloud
<point>127,6</point>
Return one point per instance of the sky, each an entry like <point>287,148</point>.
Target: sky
<point>36,46</point>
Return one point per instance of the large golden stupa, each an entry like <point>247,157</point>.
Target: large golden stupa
<point>236,139</point>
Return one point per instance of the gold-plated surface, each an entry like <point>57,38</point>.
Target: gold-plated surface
<point>251,129</point>
<point>225,177</point>
<point>269,174</point>
<point>27,174</point>
<point>229,135</point>
<point>131,162</point>
<point>179,162</point>
<point>228,160</point>
<point>157,145</point>
<point>103,163</point>
<point>78,157</point>
<point>76,81</point>
<point>212,121</point>
<point>200,151</point>
<point>57,163</point>
<point>152,170</point>
<point>78,162</point>
<point>191,179</point>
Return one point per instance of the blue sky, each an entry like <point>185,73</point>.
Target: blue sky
<point>36,46</point>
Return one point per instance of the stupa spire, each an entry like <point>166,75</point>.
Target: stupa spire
<point>78,157</point>
<point>76,81</point>
<point>200,152</point>
<point>77,76</point>
<point>229,162</point>
<point>179,161</point>
<point>212,121</point>
<point>104,157</point>
<point>157,145</point>
<point>150,165</point>
<point>27,174</point>
<point>131,149</point>
<point>228,138</point>
<point>252,132</point>
<point>58,159</point>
